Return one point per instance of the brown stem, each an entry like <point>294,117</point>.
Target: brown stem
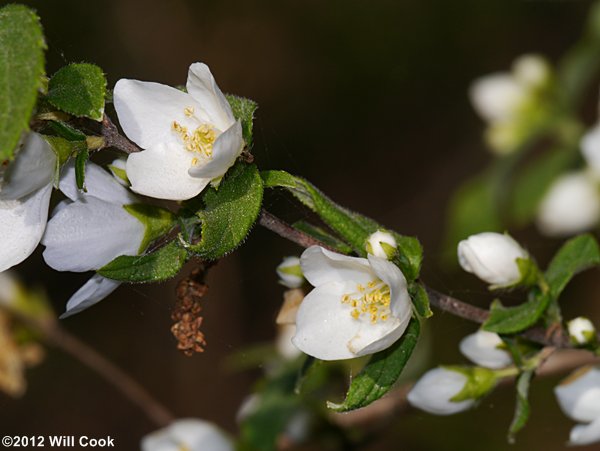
<point>112,137</point>
<point>284,230</point>
<point>55,335</point>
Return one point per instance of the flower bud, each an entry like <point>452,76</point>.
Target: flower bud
<point>531,70</point>
<point>290,272</point>
<point>581,331</point>
<point>483,349</point>
<point>381,244</point>
<point>433,393</point>
<point>590,149</point>
<point>188,433</point>
<point>571,205</point>
<point>492,257</point>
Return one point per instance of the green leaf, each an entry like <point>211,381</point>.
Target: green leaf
<point>243,110</point>
<point>64,150</point>
<point>510,320</point>
<point>78,89</point>
<point>229,212</point>
<point>157,221</point>
<point>420,300</point>
<point>153,267</point>
<point>353,228</point>
<point>522,408</point>
<point>576,255</point>
<point>80,161</point>
<point>533,181</point>
<point>323,236</point>
<point>67,132</point>
<point>21,72</point>
<point>380,374</point>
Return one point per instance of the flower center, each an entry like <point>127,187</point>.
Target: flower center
<point>372,301</point>
<point>200,140</point>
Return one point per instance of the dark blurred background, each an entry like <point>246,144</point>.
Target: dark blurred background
<point>368,101</point>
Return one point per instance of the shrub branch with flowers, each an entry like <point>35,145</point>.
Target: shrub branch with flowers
<point>353,295</point>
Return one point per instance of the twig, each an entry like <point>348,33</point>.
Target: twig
<point>547,337</point>
<point>55,335</point>
<point>112,137</point>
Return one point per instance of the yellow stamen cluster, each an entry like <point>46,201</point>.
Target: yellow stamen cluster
<point>372,300</point>
<point>200,140</point>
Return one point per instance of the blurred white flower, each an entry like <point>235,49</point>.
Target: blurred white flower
<point>190,138</point>
<point>188,434</point>
<point>434,391</point>
<point>381,244</point>
<point>483,349</point>
<point>492,257</point>
<point>89,230</point>
<point>26,186</point>
<point>571,205</point>
<point>283,342</point>
<point>503,99</point>
<point>358,306</point>
<point>290,272</point>
<point>579,398</point>
<point>581,330</point>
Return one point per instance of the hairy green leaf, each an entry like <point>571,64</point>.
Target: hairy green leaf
<point>153,267</point>
<point>157,221</point>
<point>420,300</point>
<point>380,374</point>
<point>67,132</point>
<point>78,89</point>
<point>510,320</point>
<point>243,110</point>
<point>64,150</point>
<point>576,255</point>
<point>522,408</point>
<point>229,212</point>
<point>80,162</point>
<point>21,72</point>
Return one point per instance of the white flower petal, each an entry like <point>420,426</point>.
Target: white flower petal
<point>579,395</point>
<point>190,434</point>
<point>202,86</point>
<point>161,171</point>
<point>585,434</point>
<point>495,97</point>
<point>226,149</point>
<point>482,349</point>
<point>327,331</point>
<point>22,223</point>
<point>92,292</point>
<point>32,168</point>
<point>321,266</point>
<point>146,111</point>
<point>99,183</point>
<point>89,234</point>
<point>390,274</point>
<point>432,393</point>
<point>571,205</point>
<point>283,342</point>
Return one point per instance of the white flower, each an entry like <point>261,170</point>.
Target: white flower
<point>358,306</point>
<point>492,257</point>
<point>89,230</point>
<point>579,398</point>
<point>188,434</point>
<point>283,342</point>
<point>502,99</point>
<point>482,348</point>
<point>581,330</point>
<point>189,138</point>
<point>571,205</point>
<point>434,391</point>
<point>26,186</point>
<point>381,244</point>
<point>290,272</point>
<point>590,149</point>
